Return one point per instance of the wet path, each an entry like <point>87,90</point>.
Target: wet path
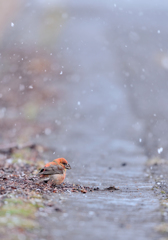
<point>127,213</point>
<point>102,122</point>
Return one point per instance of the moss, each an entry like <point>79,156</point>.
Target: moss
<point>15,221</point>
<point>17,207</point>
<point>21,156</point>
<point>19,213</point>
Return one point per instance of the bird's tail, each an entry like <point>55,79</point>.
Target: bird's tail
<point>39,179</point>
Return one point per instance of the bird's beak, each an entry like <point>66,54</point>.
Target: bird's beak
<point>68,166</point>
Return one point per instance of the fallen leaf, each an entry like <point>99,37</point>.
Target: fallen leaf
<point>111,188</point>
<point>83,190</point>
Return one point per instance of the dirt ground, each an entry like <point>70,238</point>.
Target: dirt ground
<point>87,82</point>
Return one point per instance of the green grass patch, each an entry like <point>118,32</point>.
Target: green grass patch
<point>18,213</point>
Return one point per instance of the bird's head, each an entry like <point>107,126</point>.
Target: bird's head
<point>63,162</point>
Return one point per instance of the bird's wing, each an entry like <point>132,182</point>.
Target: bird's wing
<point>52,169</point>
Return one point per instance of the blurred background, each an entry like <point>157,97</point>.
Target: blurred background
<point>88,80</point>
<point>81,74</point>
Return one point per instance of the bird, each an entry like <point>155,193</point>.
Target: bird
<point>54,172</point>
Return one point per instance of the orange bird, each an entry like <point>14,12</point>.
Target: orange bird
<point>54,171</point>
